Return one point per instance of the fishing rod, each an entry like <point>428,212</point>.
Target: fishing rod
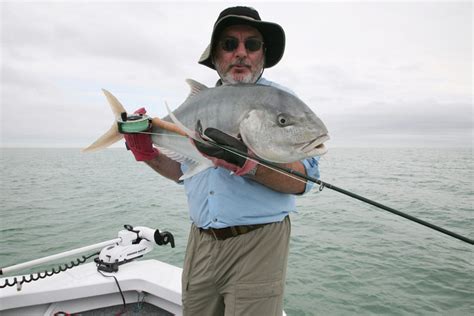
<point>140,123</point>
<point>323,185</point>
<point>302,177</point>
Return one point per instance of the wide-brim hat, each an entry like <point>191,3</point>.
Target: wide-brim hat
<point>273,34</point>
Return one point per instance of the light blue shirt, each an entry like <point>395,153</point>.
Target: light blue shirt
<point>219,199</point>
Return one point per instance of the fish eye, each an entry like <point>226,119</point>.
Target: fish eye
<point>282,120</point>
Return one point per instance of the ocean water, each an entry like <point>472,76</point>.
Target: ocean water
<point>346,257</point>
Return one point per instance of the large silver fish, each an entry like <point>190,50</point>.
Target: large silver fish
<point>275,125</point>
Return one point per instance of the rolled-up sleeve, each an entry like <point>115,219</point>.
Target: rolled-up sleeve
<point>312,170</point>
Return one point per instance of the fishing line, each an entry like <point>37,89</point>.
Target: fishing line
<point>160,134</point>
<point>302,177</point>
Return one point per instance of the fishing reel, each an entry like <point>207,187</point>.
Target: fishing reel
<point>135,242</point>
<point>133,123</point>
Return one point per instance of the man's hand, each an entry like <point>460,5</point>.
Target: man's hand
<point>223,158</point>
<point>140,144</point>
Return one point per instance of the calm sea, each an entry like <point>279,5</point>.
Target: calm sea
<point>347,258</point>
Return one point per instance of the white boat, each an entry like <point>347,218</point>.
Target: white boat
<point>147,287</point>
<point>84,290</point>
<point>115,284</point>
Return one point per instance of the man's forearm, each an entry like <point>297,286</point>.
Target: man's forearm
<point>165,166</point>
<point>279,181</point>
<point>273,179</point>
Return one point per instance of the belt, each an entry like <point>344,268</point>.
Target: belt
<point>228,232</point>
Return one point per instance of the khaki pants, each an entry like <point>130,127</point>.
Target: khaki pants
<point>243,275</point>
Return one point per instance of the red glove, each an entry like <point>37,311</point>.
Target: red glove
<point>223,158</point>
<point>140,144</point>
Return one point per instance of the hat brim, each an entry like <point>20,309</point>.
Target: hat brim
<point>273,37</point>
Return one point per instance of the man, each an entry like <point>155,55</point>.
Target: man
<point>237,252</point>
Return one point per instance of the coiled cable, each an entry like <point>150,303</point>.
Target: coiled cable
<point>41,275</point>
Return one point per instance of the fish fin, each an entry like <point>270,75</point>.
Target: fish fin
<point>110,137</point>
<point>190,133</point>
<point>170,153</point>
<point>194,169</point>
<point>196,87</point>
<point>115,105</point>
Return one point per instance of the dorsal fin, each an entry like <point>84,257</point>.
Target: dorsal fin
<point>196,87</point>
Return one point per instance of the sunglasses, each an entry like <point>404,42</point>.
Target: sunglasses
<point>230,44</point>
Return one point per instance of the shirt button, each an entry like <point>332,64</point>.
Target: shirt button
<point>214,220</point>
<point>211,192</point>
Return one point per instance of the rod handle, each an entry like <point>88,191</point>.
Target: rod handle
<point>157,122</point>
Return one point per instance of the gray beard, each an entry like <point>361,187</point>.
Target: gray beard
<point>228,78</point>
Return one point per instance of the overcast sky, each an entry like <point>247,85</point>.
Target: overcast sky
<point>385,74</point>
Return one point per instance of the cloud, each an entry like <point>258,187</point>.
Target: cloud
<point>426,123</point>
<point>355,64</point>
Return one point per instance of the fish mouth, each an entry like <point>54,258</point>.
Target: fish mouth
<point>315,146</point>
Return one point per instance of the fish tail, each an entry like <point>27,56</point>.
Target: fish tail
<point>112,135</point>
<point>104,141</point>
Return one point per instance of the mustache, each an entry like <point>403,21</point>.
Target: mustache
<point>241,63</point>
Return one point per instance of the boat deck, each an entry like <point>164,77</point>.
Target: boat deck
<point>83,289</point>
